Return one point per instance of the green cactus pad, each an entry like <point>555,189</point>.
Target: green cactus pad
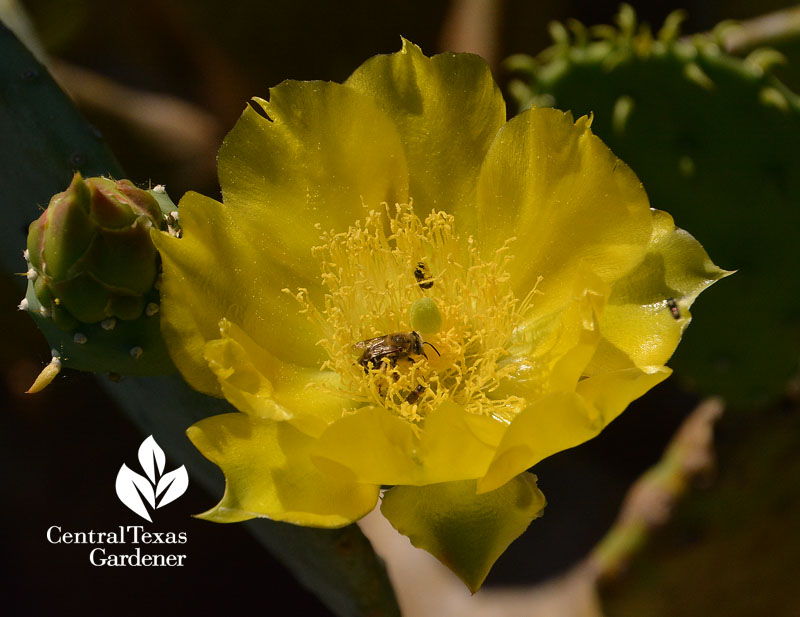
<point>111,346</point>
<point>714,140</point>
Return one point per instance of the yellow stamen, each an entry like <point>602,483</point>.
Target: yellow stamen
<point>369,276</point>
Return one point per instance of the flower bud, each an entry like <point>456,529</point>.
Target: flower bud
<point>92,273</point>
<point>91,251</point>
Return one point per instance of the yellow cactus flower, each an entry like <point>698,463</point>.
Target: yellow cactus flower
<point>409,298</point>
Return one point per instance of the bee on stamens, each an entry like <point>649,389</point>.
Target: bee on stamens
<point>673,308</point>
<point>394,347</point>
<point>423,276</point>
<point>415,395</point>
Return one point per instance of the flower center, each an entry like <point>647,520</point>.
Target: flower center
<point>374,273</point>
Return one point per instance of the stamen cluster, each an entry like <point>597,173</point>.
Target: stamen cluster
<point>368,273</point>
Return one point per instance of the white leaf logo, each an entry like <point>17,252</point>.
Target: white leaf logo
<point>128,481</point>
<point>137,491</point>
<point>173,485</point>
<point>151,457</point>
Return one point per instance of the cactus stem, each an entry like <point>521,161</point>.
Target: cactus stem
<point>671,29</point>
<point>108,324</point>
<point>559,33</point>
<point>579,31</point>
<point>626,21</point>
<point>763,59</point>
<point>47,375</point>
<point>615,58</point>
<point>136,352</point>
<point>694,73</point>
<point>773,97</point>
<point>623,107</point>
<point>80,338</point>
<point>603,32</point>
<point>686,166</point>
<point>31,274</point>
<point>151,309</point>
<point>23,305</point>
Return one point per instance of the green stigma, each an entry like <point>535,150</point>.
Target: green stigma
<point>426,316</point>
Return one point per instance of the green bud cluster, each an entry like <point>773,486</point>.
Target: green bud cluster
<point>90,252</point>
<point>93,275</point>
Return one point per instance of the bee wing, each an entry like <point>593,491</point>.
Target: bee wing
<point>382,348</point>
<point>368,343</point>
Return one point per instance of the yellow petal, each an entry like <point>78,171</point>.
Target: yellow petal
<point>550,353</point>
<point>638,319</point>
<point>268,474</point>
<point>217,270</point>
<point>549,425</point>
<point>466,531</point>
<point>575,202</point>
<point>610,393</point>
<point>324,151</point>
<point>566,419</point>
<point>375,446</point>
<point>256,382</point>
<point>447,110</point>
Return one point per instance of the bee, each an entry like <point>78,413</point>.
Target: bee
<point>415,395</point>
<point>423,276</point>
<point>673,308</point>
<point>396,346</point>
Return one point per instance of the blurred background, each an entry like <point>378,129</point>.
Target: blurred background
<point>164,82</point>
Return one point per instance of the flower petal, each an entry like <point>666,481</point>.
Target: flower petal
<point>268,474</point>
<point>638,320</point>
<point>256,382</point>
<point>447,110</point>
<point>323,152</point>
<point>466,531</point>
<point>216,270</point>
<point>573,198</point>
<point>451,445</point>
<point>566,419</point>
<point>550,353</point>
<point>611,393</point>
<point>552,424</point>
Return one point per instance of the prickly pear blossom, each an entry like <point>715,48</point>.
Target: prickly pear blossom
<point>409,298</point>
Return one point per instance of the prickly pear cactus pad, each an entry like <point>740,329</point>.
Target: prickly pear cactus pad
<point>714,139</point>
<point>555,296</point>
<point>93,277</point>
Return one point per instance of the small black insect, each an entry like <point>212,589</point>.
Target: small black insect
<point>673,308</point>
<point>423,276</point>
<point>415,395</point>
